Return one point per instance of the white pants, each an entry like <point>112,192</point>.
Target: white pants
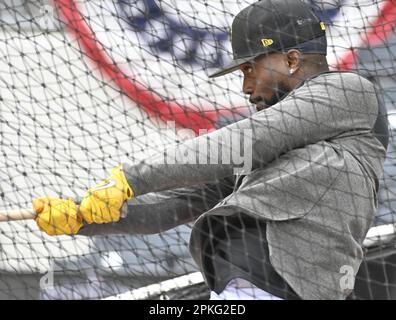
<point>241,289</point>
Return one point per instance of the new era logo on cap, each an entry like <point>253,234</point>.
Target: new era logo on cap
<point>267,42</point>
<point>274,26</point>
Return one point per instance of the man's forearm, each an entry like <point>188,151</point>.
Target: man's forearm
<point>158,212</point>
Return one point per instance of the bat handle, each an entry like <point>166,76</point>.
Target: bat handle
<point>38,207</point>
<point>19,214</point>
<point>22,214</point>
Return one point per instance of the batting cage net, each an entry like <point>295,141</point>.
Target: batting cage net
<point>307,212</point>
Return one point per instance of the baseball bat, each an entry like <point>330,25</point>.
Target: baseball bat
<point>25,214</point>
<point>21,214</point>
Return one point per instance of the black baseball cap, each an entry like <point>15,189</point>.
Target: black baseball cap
<point>270,26</point>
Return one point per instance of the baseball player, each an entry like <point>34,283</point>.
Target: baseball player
<point>291,226</point>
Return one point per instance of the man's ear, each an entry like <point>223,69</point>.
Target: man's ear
<point>294,60</point>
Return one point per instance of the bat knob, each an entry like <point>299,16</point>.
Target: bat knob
<point>38,205</point>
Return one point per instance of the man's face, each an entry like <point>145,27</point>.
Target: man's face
<point>266,79</point>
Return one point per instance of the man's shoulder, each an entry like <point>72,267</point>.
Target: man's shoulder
<point>342,90</point>
<point>340,79</point>
<point>336,85</point>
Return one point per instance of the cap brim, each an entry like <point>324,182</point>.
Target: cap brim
<point>233,66</point>
<point>317,45</point>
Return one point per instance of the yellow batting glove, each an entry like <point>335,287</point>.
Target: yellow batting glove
<point>57,216</point>
<point>103,203</point>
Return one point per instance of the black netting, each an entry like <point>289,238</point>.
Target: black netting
<point>86,85</point>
